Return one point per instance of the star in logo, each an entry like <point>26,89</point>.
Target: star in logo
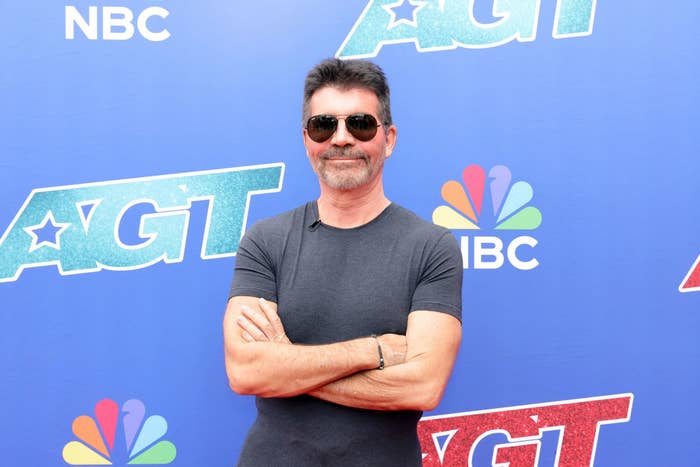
<point>402,10</point>
<point>46,233</point>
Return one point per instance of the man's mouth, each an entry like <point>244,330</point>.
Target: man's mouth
<point>343,156</point>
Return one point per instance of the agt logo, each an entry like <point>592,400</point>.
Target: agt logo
<point>142,438</point>
<point>434,25</point>
<point>117,23</point>
<point>517,436</point>
<point>510,212</point>
<point>691,283</point>
<point>77,227</point>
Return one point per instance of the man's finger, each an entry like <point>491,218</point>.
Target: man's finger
<point>260,320</point>
<point>272,317</point>
<point>251,329</point>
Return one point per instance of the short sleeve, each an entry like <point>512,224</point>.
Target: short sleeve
<point>440,284</point>
<point>254,272</point>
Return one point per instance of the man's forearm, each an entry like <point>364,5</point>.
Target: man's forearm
<point>400,387</point>
<point>282,370</point>
<point>418,383</point>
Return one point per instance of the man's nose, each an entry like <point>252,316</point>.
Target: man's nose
<point>342,137</point>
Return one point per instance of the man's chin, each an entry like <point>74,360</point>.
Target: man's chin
<point>345,183</point>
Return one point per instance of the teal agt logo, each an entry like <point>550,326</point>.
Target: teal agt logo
<point>434,25</point>
<point>76,227</point>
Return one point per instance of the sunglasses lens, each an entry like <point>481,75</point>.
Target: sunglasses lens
<point>362,126</point>
<point>321,127</point>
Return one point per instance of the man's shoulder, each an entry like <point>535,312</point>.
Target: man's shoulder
<point>282,222</point>
<point>422,234</point>
<point>413,224</point>
<point>285,217</point>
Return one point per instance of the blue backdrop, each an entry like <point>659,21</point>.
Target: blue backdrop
<point>140,138</point>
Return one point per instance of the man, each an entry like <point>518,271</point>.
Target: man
<point>344,316</point>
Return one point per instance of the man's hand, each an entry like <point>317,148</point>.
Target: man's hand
<point>261,327</point>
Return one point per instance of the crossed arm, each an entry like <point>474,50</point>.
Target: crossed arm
<point>261,360</point>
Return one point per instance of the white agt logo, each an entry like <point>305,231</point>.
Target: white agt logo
<point>116,23</point>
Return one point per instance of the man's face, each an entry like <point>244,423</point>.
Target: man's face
<point>343,162</point>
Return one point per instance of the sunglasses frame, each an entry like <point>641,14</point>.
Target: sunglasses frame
<point>356,133</point>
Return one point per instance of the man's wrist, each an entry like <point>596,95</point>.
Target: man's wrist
<point>364,348</point>
<point>379,352</point>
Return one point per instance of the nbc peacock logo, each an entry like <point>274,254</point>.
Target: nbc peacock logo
<point>510,211</point>
<point>142,436</point>
<point>509,202</point>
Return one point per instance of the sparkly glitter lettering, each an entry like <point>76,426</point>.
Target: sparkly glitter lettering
<point>76,227</point>
<point>449,24</point>
<point>450,440</point>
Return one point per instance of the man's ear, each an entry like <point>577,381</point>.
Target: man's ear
<point>390,141</point>
<point>304,136</point>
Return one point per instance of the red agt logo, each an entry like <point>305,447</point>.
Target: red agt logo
<point>691,283</point>
<point>450,440</point>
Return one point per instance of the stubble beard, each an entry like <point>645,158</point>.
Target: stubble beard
<point>346,175</point>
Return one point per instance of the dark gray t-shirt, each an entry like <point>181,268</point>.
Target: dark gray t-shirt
<point>334,285</point>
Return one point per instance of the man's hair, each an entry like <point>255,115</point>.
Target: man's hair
<point>345,75</point>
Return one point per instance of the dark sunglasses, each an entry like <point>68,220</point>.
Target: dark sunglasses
<point>361,126</point>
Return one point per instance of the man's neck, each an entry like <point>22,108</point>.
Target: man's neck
<point>346,209</point>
